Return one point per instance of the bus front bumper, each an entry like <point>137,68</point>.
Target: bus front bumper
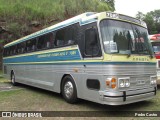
<point>126,97</point>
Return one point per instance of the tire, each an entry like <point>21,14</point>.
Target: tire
<point>69,90</point>
<point>13,79</point>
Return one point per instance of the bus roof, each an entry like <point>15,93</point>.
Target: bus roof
<point>82,19</point>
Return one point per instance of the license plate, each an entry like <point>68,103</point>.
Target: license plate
<point>140,81</point>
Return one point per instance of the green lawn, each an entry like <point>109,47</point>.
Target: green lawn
<point>1,72</point>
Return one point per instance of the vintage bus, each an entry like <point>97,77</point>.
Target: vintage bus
<point>155,41</point>
<point>101,57</point>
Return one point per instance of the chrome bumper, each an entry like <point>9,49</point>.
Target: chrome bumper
<point>126,97</point>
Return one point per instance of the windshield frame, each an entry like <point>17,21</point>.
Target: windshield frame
<point>147,41</point>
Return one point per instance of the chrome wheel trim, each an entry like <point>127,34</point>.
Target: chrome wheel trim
<point>68,89</point>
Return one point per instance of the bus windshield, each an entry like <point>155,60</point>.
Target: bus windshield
<point>124,38</point>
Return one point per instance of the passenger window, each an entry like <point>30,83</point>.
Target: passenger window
<point>12,50</point>
<point>4,52</point>
<point>92,47</point>
<point>59,41</point>
<point>21,47</point>
<point>45,41</point>
<point>66,36</point>
<point>7,51</point>
<point>31,45</point>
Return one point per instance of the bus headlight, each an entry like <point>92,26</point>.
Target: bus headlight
<point>124,82</point>
<point>127,83</point>
<point>153,80</point>
<point>121,83</point>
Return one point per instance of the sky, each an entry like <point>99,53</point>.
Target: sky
<point>131,7</point>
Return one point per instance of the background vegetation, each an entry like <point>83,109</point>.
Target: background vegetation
<point>152,19</point>
<point>19,18</point>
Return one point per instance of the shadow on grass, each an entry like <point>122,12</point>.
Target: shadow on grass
<point>95,106</point>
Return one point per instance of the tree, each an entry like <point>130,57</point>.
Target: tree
<point>110,3</point>
<point>140,15</point>
<point>152,20</point>
<point>150,23</point>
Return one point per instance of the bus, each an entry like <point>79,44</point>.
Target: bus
<point>103,57</point>
<point>155,41</point>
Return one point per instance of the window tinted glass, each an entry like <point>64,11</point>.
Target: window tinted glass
<point>124,38</point>
<point>21,47</point>
<point>66,36</point>
<point>4,52</point>
<point>7,51</point>
<point>91,42</point>
<point>31,45</point>
<point>45,41</point>
<point>12,50</point>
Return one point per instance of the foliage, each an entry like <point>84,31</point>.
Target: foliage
<point>152,19</point>
<point>140,15</point>
<point>1,41</point>
<point>19,14</point>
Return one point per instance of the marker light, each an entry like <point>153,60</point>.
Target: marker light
<point>111,82</point>
<point>153,80</point>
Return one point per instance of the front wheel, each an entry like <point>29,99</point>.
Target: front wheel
<point>69,90</point>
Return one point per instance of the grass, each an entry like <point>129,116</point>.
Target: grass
<point>17,16</point>
<point>30,9</point>
<point>34,99</point>
<point>44,9</point>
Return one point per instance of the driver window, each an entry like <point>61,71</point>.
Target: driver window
<point>92,47</point>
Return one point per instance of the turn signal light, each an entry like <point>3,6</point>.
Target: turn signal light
<point>111,82</point>
<point>113,86</point>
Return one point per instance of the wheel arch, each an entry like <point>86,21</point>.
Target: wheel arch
<point>63,80</point>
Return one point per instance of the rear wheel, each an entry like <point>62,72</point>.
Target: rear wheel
<point>13,79</point>
<point>69,90</point>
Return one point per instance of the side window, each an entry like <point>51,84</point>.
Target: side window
<point>45,41</point>
<point>92,46</point>
<point>31,45</point>
<point>70,36</point>
<point>7,51</point>
<point>21,48</point>
<point>4,52</point>
<point>59,40</point>
<point>66,36</point>
<point>12,50</point>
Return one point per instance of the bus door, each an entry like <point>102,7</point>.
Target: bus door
<point>92,59</point>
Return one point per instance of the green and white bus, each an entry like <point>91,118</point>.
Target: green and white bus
<point>101,57</point>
